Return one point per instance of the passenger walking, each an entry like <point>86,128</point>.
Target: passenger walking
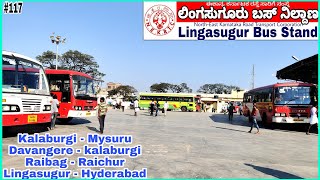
<point>254,119</point>
<point>136,107</point>
<point>313,117</point>
<point>122,105</point>
<point>114,104</point>
<point>54,110</point>
<point>165,107</point>
<point>152,107</point>
<point>102,111</point>
<point>157,107</point>
<point>202,107</point>
<point>230,110</point>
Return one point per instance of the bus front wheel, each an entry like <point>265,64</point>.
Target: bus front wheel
<point>183,109</point>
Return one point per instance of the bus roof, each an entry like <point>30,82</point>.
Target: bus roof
<point>281,85</point>
<point>167,94</point>
<point>8,53</point>
<point>69,72</point>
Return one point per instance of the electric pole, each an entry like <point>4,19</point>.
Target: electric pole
<point>252,77</point>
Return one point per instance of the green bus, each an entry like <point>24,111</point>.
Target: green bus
<point>177,101</point>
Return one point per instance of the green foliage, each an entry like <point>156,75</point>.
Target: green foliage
<point>48,59</point>
<point>72,60</point>
<point>124,90</point>
<point>218,88</point>
<point>167,87</point>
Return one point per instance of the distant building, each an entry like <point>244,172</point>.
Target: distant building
<point>218,101</point>
<point>112,85</point>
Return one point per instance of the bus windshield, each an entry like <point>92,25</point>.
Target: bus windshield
<point>300,95</point>
<point>83,86</point>
<point>23,76</point>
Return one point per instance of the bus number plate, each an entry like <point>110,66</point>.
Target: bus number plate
<point>32,118</point>
<point>88,114</point>
<point>297,119</point>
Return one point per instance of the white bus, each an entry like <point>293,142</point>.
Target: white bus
<point>25,91</point>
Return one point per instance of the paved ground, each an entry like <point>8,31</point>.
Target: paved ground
<point>200,145</point>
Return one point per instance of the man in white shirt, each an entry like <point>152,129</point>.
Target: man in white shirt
<point>136,107</point>
<point>313,117</point>
<point>165,107</point>
<point>54,110</point>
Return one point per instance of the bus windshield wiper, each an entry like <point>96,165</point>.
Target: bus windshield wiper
<point>291,100</point>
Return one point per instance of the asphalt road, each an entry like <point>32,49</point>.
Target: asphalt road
<point>196,145</point>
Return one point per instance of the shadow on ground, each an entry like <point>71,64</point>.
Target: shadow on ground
<point>39,128</point>
<point>223,118</point>
<point>274,173</point>
<point>74,121</point>
<point>93,129</point>
<point>239,120</point>
<point>30,129</point>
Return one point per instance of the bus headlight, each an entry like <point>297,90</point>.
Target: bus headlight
<point>276,114</point>
<point>283,114</point>
<point>47,108</point>
<point>10,108</point>
<point>5,108</point>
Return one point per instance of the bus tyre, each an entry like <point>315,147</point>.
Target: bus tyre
<point>183,109</point>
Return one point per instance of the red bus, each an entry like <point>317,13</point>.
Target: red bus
<point>75,92</point>
<point>25,91</point>
<point>282,102</point>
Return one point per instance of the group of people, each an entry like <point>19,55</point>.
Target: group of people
<point>155,107</point>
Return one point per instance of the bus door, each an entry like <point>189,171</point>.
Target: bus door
<point>60,86</point>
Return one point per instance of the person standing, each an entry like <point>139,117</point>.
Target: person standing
<point>157,106</point>
<point>122,105</point>
<point>152,107</point>
<point>254,119</point>
<point>136,107</point>
<point>54,110</point>
<point>230,110</point>
<point>202,107</point>
<point>313,117</point>
<point>102,111</point>
<point>165,107</point>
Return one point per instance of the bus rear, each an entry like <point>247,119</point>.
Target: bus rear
<point>75,92</point>
<point>25,92</point>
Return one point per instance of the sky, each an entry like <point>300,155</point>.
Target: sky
<point>113,34</point>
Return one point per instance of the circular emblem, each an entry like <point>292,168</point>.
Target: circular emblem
<point>159,20</point>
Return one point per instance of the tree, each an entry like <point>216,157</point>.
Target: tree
<point>72,60</point>
<point>218,88</point>
<point>166,87</point>
<point>48,59</point>
<point>184,88</point>
<point>124,90</point>
<point>160,88</point>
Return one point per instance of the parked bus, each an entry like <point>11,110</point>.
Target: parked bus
<point>177,101</point>
<point>25,91</point>
<point>74,91</point>
<point>281,102</point>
